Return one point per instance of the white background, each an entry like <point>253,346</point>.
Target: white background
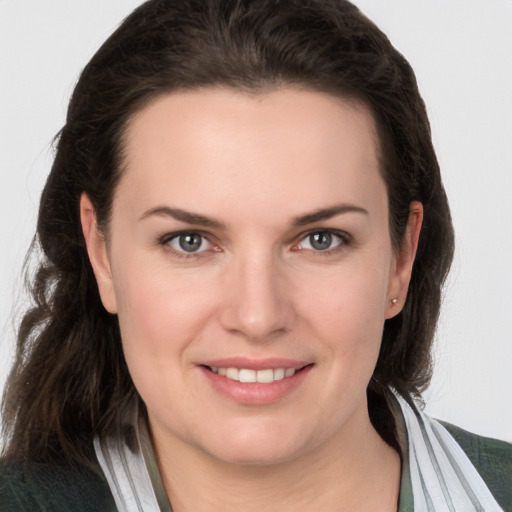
<point>461,51</point>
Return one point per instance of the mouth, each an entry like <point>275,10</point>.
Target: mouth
<point>263,384</point>
<point>248,376</point>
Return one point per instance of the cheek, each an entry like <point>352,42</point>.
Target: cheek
<point>160,312</point>
<point>140,308</point>
<point>349,310</point>
<point>157,323</point>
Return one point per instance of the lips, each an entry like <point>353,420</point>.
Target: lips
<point>257,382</point>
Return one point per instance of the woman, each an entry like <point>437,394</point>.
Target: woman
<point>246,236</point>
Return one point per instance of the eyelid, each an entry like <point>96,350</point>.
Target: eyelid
<point>346,239</point>
<point>168,237</point>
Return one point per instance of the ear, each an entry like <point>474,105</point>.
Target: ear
<point>404,260</point>
<point>98,254</point>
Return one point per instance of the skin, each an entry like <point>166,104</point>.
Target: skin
<point>257,288</point>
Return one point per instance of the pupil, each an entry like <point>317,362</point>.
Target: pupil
<point>321,241</point>
<point>190,243</point>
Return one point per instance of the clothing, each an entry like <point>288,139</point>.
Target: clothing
<point>47,487</point>
<point>53,488</point>
<point>445,468</point>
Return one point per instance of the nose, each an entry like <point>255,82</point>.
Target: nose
<point>259,305</point>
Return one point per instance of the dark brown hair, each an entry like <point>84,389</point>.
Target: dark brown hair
<point>70,381</point>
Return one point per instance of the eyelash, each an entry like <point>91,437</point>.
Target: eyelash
<point>345,240</point>
<point>164,241</point>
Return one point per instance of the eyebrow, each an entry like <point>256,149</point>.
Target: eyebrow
<point>327,213</point>
<point>208,222</point>
<point>184,216</point>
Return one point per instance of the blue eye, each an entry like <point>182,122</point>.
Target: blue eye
<point>188,242</point>
<point>322,241</point>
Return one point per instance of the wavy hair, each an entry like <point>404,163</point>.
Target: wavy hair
<point>70,381</point>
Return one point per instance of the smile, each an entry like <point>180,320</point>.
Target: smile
<point>255,382</point>
<point>246,375</point>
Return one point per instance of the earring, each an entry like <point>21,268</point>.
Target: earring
<point>394,301</point>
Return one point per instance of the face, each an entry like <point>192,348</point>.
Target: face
<point>250,264</point>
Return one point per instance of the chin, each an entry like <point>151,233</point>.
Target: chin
<point>257,455</point>
<point>258,445</point>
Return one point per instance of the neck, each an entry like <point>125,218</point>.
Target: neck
<point>354,470</point>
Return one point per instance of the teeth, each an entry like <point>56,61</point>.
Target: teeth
<point>289,372</point>
<point>262,376</point>
<point>233,373</point>
<point>265,376</point>
<point>279,374</point>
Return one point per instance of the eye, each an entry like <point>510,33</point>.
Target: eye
<point>188,242</point>
<point>322,241</point>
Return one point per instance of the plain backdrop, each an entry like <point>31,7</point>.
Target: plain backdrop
<point>461,51</point>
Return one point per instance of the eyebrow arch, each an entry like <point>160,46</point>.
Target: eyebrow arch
<point>327,213</point>
<point>184,216</point>
<point>207,222</point>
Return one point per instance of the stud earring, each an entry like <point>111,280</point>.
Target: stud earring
<point>394,301</point>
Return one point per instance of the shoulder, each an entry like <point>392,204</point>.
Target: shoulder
<point>37,487</point>
<point>493,460</point>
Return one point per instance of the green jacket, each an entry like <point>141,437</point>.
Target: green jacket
<point>46,487</point>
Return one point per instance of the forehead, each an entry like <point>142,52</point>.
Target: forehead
<point>286,147</point>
